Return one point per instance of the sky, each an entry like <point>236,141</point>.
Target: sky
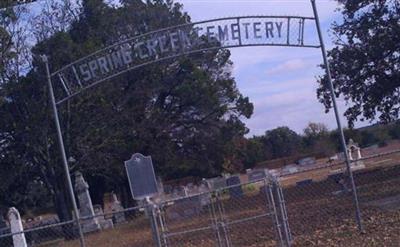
<point>279,81</point>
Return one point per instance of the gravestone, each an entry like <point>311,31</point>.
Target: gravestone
<point>235,189</point>
<point>204,196</point>
<point>85,205</point>
<point>353,147</point>
<point>116,208</point>
<point>216,183</point>
<point>16,226</point>
<point>104,223</point>
<point>304,182</point>
<point>168,189</point>
<point>160,186</point>
<point>290,169</point>
<point>257,175</point>
<point>177,192</point>
<point>141,176</point>
<point>307,161</point>
<point>185,191</point>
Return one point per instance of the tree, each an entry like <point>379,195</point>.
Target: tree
<point>365,60</point>
<point>282,142</point>
<point>18,178</point>
<point>254,151</point>
<point>186,113</point>
<point>316,139</point>
<point>11,3</point>
<point>314,132</point>
<point>394,130</point>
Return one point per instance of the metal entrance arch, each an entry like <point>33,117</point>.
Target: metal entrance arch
<point>172,42</point>
<point>137,51</point>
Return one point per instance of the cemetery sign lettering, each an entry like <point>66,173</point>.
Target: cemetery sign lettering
<point>136,51</point>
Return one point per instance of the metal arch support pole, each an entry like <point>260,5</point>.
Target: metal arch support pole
<point>342,139</point>
<point>152,214</point>
<point>62,150</point>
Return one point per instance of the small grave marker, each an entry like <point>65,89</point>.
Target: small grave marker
<point>256,175</point>
<point>16,227</point>
<point>116,207</point>
<point>304,182</point>
<point>216,183</point>
<point>236,189</point>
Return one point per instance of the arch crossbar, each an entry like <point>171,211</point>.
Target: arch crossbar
<point>176,41</point>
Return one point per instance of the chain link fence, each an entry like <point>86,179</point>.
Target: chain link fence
<point>239,215</point>
<point>313,207</point>
<point>321,209</point>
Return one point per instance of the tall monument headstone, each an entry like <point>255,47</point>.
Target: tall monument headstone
<point>16,227</point>
<point>85,204</point>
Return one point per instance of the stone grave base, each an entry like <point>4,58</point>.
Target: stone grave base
<point>90,225</point>
<point>106,224</point>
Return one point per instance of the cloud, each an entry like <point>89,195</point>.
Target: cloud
<point>205,9</point>
<point>290,103</point>
<point>286,93</point>
<point>290,65</point>
<point>262,88</point>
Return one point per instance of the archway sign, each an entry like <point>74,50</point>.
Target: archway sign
<point>166,44</point>
<point>172,42</point>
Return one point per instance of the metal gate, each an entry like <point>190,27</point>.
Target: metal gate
<point>250,214</point>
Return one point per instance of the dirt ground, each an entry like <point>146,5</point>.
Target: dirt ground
<point>320,214</point>
<point>317,217</point>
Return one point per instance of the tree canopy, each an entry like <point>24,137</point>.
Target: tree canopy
<point>186,113</point>
<point>365,61</point>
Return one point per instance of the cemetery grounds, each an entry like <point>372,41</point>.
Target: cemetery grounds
<point>320,213</point>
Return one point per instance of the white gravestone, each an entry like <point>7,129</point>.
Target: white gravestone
<point>16,226</point>
<point>85,205</point>
<point>351,147</point>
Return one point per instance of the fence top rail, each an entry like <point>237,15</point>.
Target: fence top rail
<point>341,163</point>
<point>38,228</point>
<point>265,180</point>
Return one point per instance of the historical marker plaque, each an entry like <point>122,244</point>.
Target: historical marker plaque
<point>141,176</point>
